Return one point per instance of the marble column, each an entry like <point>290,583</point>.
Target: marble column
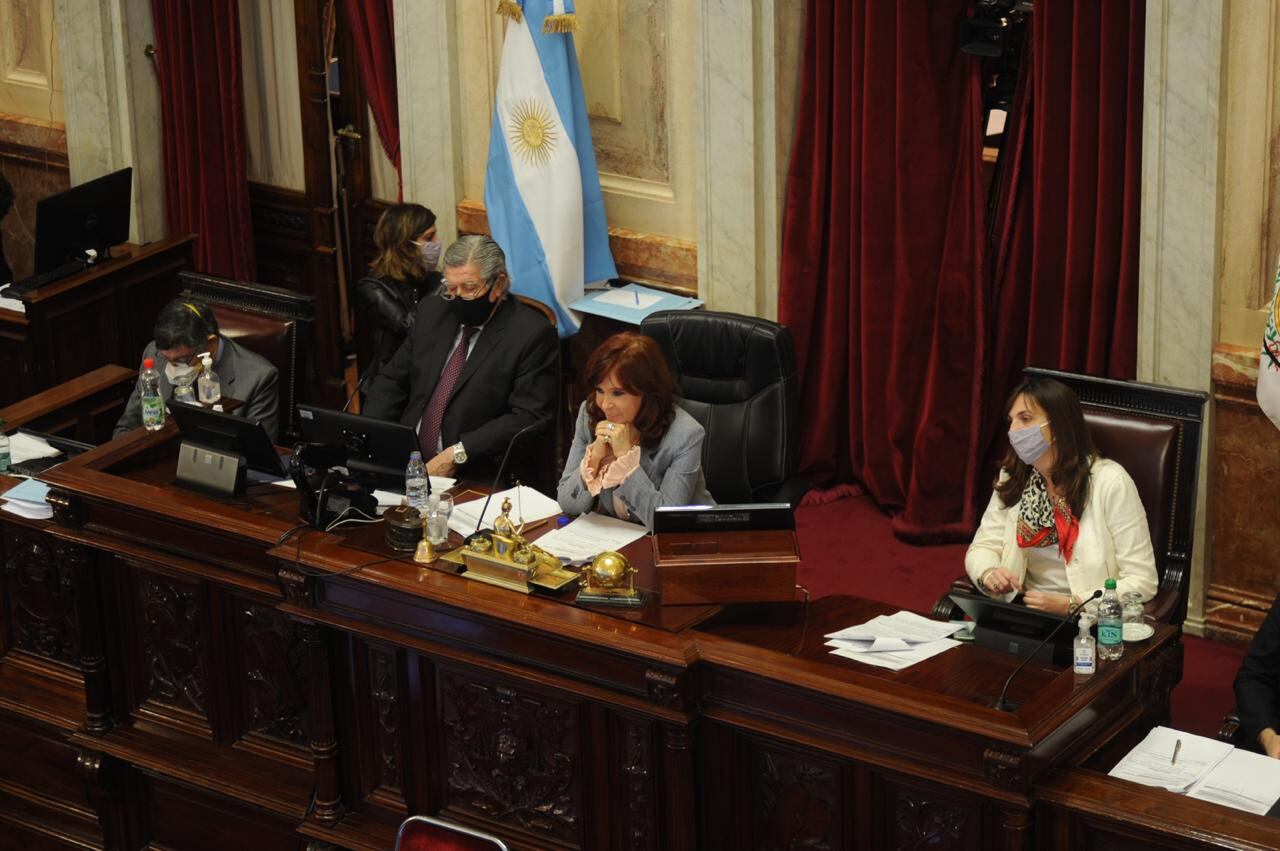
<point>430,127</point>
<point>1181,219</point>
<point>112,101</point>
<point>735,106</point>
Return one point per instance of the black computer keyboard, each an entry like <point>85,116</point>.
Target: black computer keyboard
<point>57,273</point>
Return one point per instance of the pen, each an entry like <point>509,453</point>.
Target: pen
<point>1177,746</point>
<point>636,293</point>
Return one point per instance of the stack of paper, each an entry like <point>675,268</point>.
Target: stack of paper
<point>527,506</point>
<point>1171,759</point>
<point>27,500</point>
<point>1243,780</point>
<point>590,535</point>
<point>24,447</point>
<point>8,303</point>
<point>894,641</point>
<point>631,303</point>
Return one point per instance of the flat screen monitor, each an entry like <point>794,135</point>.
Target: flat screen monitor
<point>229,433</point>
<point>369,446</point>
<point>1015,628</point>
<point>94,215</point>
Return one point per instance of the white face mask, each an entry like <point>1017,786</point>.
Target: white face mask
<point>180,373</point>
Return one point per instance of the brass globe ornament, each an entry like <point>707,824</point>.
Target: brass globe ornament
<point>610,580</point>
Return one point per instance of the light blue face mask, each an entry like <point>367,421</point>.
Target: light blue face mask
<point>1029,443</point>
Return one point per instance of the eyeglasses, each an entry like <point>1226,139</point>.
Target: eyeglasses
<point>467,290</point>
<point>187,360</point>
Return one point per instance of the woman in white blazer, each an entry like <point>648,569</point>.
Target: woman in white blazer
<point>634,449</point>
<point>1062,520</point>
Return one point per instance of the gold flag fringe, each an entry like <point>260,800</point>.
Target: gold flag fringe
<point>559,24</point>
<point>510,9</point>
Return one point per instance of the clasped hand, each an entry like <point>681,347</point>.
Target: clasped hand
<point>613,440</point>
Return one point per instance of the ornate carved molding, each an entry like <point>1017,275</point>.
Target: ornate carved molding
<point>275,673</point>
<point>664,688</point>
<point>513,756</point>
<point>329,808</point>
<point>921,823</point>
<point>384,690</point>
<point>1002,768</point>
<point>41,592</point>
<point>172,642</point>
<point>637,769</point>
<point>796,801</point>
<point>299,589</point>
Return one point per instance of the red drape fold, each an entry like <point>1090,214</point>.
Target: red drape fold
<point>882,257</point>
<point>373,32</point>
<point>202,112</point>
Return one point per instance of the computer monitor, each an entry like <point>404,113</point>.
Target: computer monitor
<point>368,445</point>
<point>1015,628</point>
<point>229,433</point>
<point>94,215</point>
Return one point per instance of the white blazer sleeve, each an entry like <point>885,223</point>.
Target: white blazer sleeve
<point>988,542</point>
<point>1121,514</point>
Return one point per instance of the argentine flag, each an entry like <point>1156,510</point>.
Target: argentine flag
<point>542,190</point>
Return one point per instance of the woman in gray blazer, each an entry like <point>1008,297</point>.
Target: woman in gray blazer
<point>633,449</point>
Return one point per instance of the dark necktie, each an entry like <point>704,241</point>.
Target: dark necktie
<point>433,414</point>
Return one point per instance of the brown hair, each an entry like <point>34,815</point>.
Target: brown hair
<point>399,259</point>
<point>640,368</point>
<point>1072,444</point>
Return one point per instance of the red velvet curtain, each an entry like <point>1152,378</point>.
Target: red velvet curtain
<point>882,258</point>
<point>202,106</point>
<point>1064,282</point>
<point>373,33</point>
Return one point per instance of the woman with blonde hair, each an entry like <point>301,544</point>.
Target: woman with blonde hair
<point>404,270</point>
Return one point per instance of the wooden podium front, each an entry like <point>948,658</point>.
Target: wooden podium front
<point>216,678</point>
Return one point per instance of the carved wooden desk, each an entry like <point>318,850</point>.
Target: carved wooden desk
<point>216,682</point>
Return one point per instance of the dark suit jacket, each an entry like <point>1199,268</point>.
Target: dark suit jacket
<point>1258,680</point>
<point>509,380</point>
<point>244,375</point>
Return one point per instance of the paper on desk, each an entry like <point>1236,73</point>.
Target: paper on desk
<point>628,298</point>
<point>894,660</point>
<point>897,631</point>
<point>389,499</point>
<point>1243,780</point>
<point>11,303</point>
<point>590,535</point>
<point>25,447</point>
<point>26,499</point>
<point>527,505</point>
<point>1151,761</point>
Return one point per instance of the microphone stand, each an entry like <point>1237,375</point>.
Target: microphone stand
<point>502,466</point>
<point>1002,702</point>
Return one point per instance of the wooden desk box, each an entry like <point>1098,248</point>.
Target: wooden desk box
<point>726,567</point>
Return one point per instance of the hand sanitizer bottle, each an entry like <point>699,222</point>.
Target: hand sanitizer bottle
<point>1085,655</point>
<point>207,384</point>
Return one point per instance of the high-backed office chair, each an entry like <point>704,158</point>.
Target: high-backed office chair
<point>424,833</point>
<point>737,377</point>
<point>270,321</point>
<point>543,465</point>
<point>1154,433</point>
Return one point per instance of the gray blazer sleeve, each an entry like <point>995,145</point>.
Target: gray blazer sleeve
<point>678,466</point>
<point>263,403</point>
<point>572,493</point>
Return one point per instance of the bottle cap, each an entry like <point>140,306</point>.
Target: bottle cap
<point>148,363</point>
<point>1110,584</point>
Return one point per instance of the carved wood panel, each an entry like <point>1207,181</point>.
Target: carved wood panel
<point>513,755</point>
<point>633,802</point>
<point>172,638</point>
<point>795,799</point>
<point>921,818</point>
<point>41,597</point>
<point>274,673</point>
<point>385,705</point>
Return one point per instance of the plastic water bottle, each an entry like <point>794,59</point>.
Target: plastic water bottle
<point>149,392</point>
<point>1085,648</point>
<point>415,483</point>
<point>5,458</point>
<point>208,385</point>
<point>1110,623</point>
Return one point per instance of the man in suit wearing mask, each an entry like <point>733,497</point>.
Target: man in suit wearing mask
<point>185,330</point>
<point>476,368</point>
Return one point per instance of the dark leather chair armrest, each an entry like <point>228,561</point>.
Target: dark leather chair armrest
<point>1230,730</point>
<point>791,491</point>
<point>1162,606</point>
<point>946,610</point>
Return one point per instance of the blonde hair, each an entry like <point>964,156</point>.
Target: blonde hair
<point>398,258</point>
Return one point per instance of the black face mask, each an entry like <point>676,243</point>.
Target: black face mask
<point>474,312</point>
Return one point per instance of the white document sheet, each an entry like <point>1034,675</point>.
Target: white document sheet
<point>628,298</point>
<point>527,506</point>
<point>1152,761</point>
<point>897,631</point>
<point>388,499</point>
<point>27,500</point>
<point>24,447</point>
<point>11,303</point>
<point>1244,781</point>
<point>894,660</point>
<point>590,535</point>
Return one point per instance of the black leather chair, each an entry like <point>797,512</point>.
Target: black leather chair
<point>270,321</point>
<point>737,377</point>
<point>1154,433</point>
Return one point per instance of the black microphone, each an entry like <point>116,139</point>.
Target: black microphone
<point>359,384</point>
<point>1004,705</point>
<point>501,469</point>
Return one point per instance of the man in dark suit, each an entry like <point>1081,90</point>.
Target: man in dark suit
<point>1257,687</point>
<point>477,367</point>
<point>186,329</point>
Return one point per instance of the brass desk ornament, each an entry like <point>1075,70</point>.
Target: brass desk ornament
<point>610,580</point>
<point>426,551</point>
<point>403,528</point>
